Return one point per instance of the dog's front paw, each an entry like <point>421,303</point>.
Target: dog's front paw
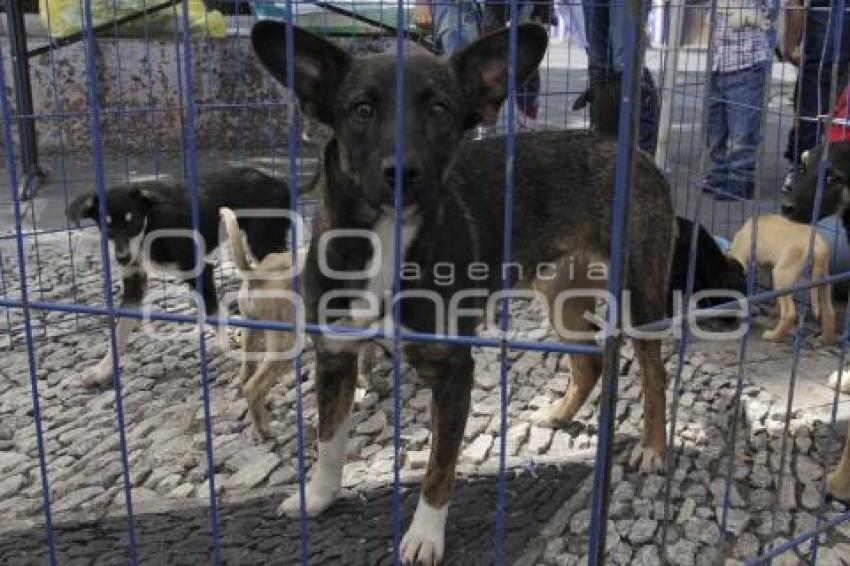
<point>424,541</point>
<point>553,416</point>
<point>844,376</point>
<point>99,374</point>
<point>646,460</point>
<point>773,335</point>
<point>316,502</point>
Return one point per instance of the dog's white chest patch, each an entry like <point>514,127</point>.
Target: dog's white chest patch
<point>379,287</point>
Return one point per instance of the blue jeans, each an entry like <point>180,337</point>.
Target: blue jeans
<point>606,52</point>
<point>457,23</point>
<point>733,129</point>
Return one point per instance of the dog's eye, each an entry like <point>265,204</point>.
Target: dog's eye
<point>364,110</point>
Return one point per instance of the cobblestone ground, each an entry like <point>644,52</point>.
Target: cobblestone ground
<point>548,481</point>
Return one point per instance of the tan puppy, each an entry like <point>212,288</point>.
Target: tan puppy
<point>783,246</point>
<point>266,294</point>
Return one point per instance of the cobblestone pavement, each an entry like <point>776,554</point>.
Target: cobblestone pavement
<point>547,497</point>
<point>357,530</point>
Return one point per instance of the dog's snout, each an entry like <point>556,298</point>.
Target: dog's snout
<point>123,259</point>
<point>411,171</point>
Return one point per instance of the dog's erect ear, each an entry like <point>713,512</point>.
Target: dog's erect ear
<point>583,100</point>
<point>84,206</point>
<point>482,68</point>
<point>320,65</point>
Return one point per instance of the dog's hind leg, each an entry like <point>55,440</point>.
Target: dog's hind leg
<point>585,370</point>
<point>275,363</point>
<point>647,301</point>
<point>134,285</point>
<point>256,389</point>
<point>785,273</point>
<point>450,371</point>
<point>336,374</point>
<point>648,456</point>
<point>838,482</point>
<point>823,298</point>
<point>253,346</point>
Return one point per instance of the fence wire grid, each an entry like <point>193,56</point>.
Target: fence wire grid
<point>130,431</point>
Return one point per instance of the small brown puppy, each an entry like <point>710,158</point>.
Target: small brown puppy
<point>783,245</point>
<point>266,294</point>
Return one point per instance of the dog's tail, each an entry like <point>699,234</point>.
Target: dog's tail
<point>237,241</point>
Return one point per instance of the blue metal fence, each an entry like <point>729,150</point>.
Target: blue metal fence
<point>191,102</point>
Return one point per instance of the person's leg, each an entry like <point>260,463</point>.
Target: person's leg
<point>527,94</point>
<point>649,112</point>
<point>596,32</point>
<point>456,24</point>
<point>616,40</point>
<point>616,35</point>
<point>813,94</point>
<point>803,136</point>
<point>577,30</point>
<point>745,92</point>
<point>717,135</point>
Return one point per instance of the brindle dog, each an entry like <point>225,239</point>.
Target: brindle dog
<point>452,215</point>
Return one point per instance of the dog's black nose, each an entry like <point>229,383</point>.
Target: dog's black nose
<point>411,168</point>
<point>123,259</point>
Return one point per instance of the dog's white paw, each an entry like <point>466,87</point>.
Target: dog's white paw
<point>424,541</point>
<point>99,374</point>
<point>646,460</point>
<point>549,417</point>
<point>542,417</point>
<point>845,380</point>
<point>316,501</point>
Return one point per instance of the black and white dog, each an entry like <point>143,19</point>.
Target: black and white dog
<point>149,227</point>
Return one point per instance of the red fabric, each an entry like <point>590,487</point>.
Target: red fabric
<point>840,132</point>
